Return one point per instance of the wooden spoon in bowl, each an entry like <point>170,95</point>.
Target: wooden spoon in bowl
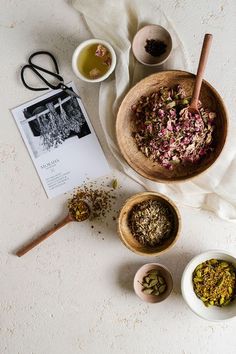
<point>193,107</point>
<point>81,213</point>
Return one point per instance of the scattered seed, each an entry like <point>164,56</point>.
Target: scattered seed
<point>99,199</point>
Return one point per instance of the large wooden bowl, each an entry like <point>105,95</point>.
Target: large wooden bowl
<point>125,126</point>
<point>126,235</point>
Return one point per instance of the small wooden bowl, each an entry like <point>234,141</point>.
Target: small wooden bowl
<point>142,272</point>
<point>125,126</point>
<point>151,32</point>
<point>127,237</point>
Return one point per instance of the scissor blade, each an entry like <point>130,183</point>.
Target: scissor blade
<point>70,92</point>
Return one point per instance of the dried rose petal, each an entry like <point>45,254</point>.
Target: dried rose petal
<point>167,133</point>
<point>94,73</point>
<point>101,51</point>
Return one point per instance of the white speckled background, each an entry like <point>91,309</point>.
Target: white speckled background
<point>73,294</point>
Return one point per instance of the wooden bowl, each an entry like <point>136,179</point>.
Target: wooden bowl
<point>151,32</point>
<point>125,126</point>
<point>127,237</point>
<point>142,272</point>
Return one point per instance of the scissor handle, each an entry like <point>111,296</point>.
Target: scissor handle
<point>39,67</point>
<point>36,69</point>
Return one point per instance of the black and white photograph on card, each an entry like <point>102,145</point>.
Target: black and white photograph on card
<point>61,141</point>
<point>50,122</point>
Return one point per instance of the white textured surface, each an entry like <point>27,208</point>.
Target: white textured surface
<point>73,294</point>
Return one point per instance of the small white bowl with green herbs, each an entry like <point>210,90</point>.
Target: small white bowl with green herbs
<point>214,298</point>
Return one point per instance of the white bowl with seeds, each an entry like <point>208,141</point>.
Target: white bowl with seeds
<point>153,282</point>
<point>208,308</point>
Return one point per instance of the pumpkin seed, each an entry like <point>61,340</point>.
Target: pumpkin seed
<point>222,299</point>
<point>196,279</point>
<point>162,289</point>
<point>213,261</point>
<point>161,280</point>
<point>153,276</point>
<point>148,291</point>
<point>224,264</point>
<point>199,267</point>
<point>153,283</point>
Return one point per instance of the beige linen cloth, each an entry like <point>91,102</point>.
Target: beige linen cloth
<point>117,21</point>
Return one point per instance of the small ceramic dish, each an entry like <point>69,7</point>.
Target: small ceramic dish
<point>142,272</point>
<point>212,313</point>
<point>76,58</point>
<point>148,32</point>
<point>127,237</point>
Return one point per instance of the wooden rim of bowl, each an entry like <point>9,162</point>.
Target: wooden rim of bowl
<point>134,200</point>
<point>182,179</point>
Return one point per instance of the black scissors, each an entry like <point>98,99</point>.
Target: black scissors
<point>37,69</point>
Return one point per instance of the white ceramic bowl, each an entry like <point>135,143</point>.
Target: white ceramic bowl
<point>77,52</point>
<point>212,313</point>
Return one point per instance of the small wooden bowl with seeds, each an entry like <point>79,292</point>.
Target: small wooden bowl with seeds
<point>153,282</point>
<point>149,223</point>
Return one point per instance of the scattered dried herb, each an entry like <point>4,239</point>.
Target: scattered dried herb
<point>214,282</point>
<point>114,183</point>
<point>155,47</point>
<point>99,198</point>
<point>153,283</point>
<point>151,222</point>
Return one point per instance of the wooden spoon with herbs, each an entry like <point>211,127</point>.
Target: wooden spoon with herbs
<point>78,211</point>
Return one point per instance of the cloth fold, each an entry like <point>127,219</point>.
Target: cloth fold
<point>117,22</point>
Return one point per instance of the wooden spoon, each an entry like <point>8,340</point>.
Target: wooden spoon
<point>193,107</point>
<point>83,214</point>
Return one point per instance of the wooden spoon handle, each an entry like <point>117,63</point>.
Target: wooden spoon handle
<point>43,237</point>
<point>201,68</point>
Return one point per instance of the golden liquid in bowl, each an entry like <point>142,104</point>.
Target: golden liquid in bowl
<point>88,61</point>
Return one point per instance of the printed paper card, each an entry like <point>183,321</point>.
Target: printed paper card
<point>61,141</point>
